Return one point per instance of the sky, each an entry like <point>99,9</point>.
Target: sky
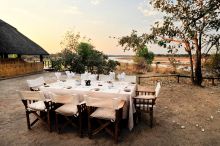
<point>46,21</point>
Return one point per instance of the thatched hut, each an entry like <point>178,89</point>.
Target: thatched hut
<point>14,42</point>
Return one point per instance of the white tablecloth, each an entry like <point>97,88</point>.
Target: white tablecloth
<point>116,91</point>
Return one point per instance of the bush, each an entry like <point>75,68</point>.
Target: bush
<point>56,64</point>
<point>213,65</point>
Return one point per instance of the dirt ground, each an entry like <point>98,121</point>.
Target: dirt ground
<point>185,115</point>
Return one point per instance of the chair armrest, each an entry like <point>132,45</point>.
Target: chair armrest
<point>83,102</point>
<point>121,104</point>
<point>143,89</point>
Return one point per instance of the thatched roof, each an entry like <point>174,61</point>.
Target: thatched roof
<point>13,42</point>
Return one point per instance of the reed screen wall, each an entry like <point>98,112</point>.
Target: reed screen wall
<point>17,67</point>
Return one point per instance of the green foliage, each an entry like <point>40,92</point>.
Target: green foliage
<point>80,56</point>
<point>72,40</point>
<point>143,57</point>
<point>147,55</point>
<point>77,64</point>
<point>67,57</point>
<point>111,65</point>
<point>133,41</point>
<point>84,58</point>
<point>56,64</point>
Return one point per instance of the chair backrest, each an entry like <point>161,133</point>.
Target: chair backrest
<point>112,76</point>
<point>130,79</point>
<point>31,95</point>
<point>157,89</point>
<point>85,76</point>
<point>112,103</point>
<point>92,77</point>
<point>122,76</point>
<point>36,82</point>
<point>103,77</point>
<point>58,75</point>
<point>69,74</point>
<point>66,98</point>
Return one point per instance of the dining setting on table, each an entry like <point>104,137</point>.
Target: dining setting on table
<point>83,98</point>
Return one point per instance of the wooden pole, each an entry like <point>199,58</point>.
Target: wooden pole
<point>178,78</point>
<point>213,81</point>
<point>138,79</point>
<point>41,58</point>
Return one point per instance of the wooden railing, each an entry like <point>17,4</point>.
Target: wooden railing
<point>177,76</point>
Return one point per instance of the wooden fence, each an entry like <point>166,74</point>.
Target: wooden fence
<point>17,67</point>
<point>177,76</point>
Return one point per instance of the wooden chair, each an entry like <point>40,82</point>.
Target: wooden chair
<point>71,110</point>
<point>145,101</point>
<point>36,83</point>
<point>35,104</point>
<point>107,113</point>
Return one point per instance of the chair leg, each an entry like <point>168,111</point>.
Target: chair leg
<point>28,120</point>
<point>116,132</point>
<point>57,123</point>
<point>80,126</point>
<point>89,128</point>
<point>151,117</point>
<point>48,121</point>
<point>138,119</point>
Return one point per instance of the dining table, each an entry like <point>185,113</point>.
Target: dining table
<point>100,89</point>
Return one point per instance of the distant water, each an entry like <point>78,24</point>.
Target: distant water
<point>130,61</point>
<point>122,59</point>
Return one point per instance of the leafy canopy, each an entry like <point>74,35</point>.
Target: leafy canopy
<point>83,58</point>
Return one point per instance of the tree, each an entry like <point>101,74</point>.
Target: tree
<point>77,64</point>
<point>191,24</point>
<point>94,60</point>
<point>147,55</point>
<point>111,65</point>
<point>143,57</point>
<point>56,64</point>
<point>72,40</point>
<point>67,56</point>
<point>81,56</point>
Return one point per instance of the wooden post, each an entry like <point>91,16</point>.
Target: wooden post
<point>138,80</point>
<point>178,78</point>
<point>41,58</point>
<point>213,81</point>
<point>1,55</point>
<point>5,55</point>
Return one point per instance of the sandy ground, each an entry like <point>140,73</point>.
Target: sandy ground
<point>178,105</point>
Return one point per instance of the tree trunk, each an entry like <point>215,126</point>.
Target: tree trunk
<point>191,66</point>
<point>198,70</point>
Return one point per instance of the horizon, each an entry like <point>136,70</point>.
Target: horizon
<point>46,21</point>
